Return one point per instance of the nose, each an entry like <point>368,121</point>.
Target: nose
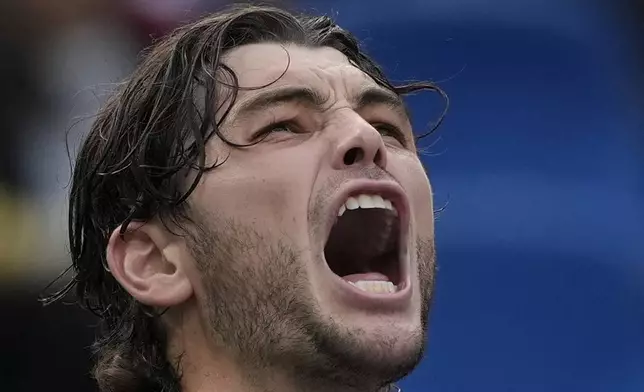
<point>359,144</point>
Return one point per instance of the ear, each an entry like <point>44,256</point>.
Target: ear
<point>146,260</point>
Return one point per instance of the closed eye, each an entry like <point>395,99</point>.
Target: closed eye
<point>390,131</point>
<point>276,127</point>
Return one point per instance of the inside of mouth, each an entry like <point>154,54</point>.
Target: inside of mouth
<point>365,242</point>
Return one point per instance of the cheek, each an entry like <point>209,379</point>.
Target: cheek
<point>269,194</point>
<point>257,202</point>
<point>419,191</point>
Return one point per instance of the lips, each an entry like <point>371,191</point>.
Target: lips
<point>366,247</point>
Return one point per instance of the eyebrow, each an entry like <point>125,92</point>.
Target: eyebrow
<point>368,96</point>
<point>281,95</point>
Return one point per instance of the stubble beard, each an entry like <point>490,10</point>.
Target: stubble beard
<point>260,309</point>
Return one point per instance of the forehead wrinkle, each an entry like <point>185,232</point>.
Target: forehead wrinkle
<point>321,86</point>
<point>395,103</point>
<point>368,92</point>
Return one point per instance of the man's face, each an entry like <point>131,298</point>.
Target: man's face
<point>284,281</point>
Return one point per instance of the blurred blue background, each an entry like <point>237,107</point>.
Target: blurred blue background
<point>539,165</point>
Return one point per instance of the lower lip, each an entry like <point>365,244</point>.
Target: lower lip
<point>358,298</point>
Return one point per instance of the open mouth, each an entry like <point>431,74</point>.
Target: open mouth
<point>364,244</point>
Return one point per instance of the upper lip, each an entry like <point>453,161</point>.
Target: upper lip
<point>387,189</point>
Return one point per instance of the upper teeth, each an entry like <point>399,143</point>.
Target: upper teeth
<point>366,201</point>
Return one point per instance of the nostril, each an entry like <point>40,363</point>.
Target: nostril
<point>353,156</point>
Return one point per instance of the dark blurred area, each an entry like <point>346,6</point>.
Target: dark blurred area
<point>540,166</point>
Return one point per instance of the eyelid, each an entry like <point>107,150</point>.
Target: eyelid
<point>266,130</point>
<point>398,133</point>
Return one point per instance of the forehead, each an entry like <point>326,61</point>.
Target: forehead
<point>258,65</point>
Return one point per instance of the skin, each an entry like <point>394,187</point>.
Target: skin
<point>253,305</point>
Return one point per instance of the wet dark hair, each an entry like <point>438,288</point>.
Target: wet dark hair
<point>132,166</point>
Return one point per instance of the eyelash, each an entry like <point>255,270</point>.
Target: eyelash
<point>267,130</point>
<point>290,126</point>
<point>395,132</point>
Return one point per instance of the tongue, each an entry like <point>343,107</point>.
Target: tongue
<point>366,276</point>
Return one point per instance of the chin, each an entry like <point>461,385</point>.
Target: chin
<point>389,340</point>
<point>378,352</point>
<point>391,348</point>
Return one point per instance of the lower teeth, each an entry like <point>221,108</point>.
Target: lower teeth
<point>375,286</point>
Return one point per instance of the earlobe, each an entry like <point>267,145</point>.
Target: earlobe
<point>145,261</point>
